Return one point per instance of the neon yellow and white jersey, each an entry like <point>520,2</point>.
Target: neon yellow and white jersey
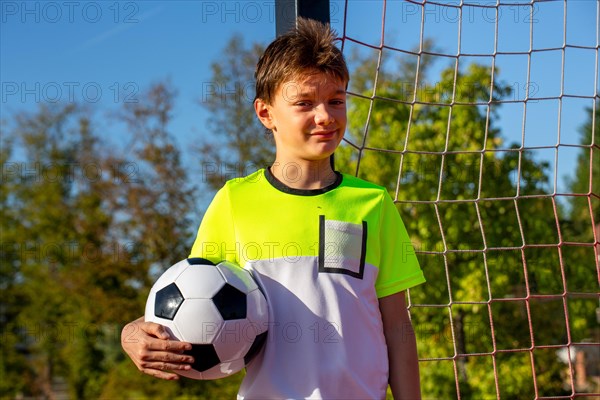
<point>323,258</point>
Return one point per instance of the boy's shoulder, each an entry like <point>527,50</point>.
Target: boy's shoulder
<point>246,182</point>
<point>359,183</point>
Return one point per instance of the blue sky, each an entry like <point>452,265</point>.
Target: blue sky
<point>106,52</point>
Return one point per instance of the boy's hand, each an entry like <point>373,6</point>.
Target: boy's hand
<point>149,346</point>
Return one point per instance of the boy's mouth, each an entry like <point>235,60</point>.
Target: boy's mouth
<point>324,134</point>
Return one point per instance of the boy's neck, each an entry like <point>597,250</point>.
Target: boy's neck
<point>304,174</point>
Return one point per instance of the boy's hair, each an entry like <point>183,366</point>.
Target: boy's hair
<point>307,48</point>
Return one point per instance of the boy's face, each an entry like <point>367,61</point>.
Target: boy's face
<point>307,117</point>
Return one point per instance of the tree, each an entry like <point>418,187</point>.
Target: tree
<point>53,222</point>
<point>587,171</point>
<point>238,142</point>
<point>581,249</point>
<point>85,230</point>
<point>158,192</point>
<point>430,155</point>
<point>15,373</point>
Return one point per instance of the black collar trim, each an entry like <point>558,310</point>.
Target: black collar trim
<point>277,184</point>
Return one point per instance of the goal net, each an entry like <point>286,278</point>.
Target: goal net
<point>481,117</point>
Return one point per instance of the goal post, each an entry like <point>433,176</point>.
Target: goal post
<point>287,11</point>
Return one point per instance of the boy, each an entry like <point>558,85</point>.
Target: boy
<point>329,250</point>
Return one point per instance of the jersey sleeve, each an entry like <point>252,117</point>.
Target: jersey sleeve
<point>399,268</point>
<point>215,240</point>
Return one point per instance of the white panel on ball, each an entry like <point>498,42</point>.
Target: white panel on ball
<point>196,329</point>
<point>200,280</point>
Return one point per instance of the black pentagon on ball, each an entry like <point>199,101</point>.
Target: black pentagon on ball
<point>230,302</point>
<point>205,357</point>
<point>167,302</point>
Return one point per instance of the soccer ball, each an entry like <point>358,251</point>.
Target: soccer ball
<point>219,309</point>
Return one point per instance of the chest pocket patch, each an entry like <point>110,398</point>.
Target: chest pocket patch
<point>342,247</point>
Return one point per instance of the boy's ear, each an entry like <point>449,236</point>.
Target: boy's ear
<point>263,112</point>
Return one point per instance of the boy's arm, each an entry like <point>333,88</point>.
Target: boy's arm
<point>402,348</point>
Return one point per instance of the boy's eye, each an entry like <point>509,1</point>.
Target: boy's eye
<point>303,103</point>
<point>337,102</point>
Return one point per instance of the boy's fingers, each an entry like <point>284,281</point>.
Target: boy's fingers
<point>177,346</point>
<point>161,369</point>
<point>161,366</point>
<point>179,359</point>
<point>160,374</point>
<point>156,330</point>
<point>173,346</point>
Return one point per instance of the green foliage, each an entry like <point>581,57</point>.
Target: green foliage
<point>81,236</point>
<point>580,232</point>
<point>585,179</point>
<point>482,222</point>
<point>15,373</point>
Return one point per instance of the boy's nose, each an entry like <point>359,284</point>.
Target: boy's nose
<point>322,115</point>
